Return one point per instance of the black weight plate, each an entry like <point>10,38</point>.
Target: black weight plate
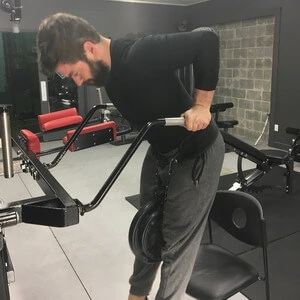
<point>137,228</point>
<point>152,240</point>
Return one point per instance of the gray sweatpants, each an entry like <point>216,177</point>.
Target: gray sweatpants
<point>191,189</point>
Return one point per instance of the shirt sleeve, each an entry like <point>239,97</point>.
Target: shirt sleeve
<point>162,53</point>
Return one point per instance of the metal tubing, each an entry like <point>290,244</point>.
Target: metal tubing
<point>126,157</point>
<point>64,149</point>
<point>5,134</point>
<point>120,166</point>
<point>8,217</point>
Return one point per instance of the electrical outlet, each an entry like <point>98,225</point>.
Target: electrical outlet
<point>276,127</point>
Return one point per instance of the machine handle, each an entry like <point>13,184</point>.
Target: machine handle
<point>179,121</point>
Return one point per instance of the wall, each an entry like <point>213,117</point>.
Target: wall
<point>245,77</point>
<point>110,18</point>
<point>285,88</point>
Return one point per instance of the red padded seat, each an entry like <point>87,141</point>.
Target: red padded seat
<point>59,119</point>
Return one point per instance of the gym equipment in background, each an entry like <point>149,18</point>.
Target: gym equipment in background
<point>216,109</point>
<point>86,133</point>
<point>294,149</point>
<point>265,160</point>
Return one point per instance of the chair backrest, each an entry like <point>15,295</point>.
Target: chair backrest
<point>241,215</point>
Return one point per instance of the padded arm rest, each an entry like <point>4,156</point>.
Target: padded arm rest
<point>96,127</point>
<point>244,147</point>
<point>227,123</point>
<point>220,107</point>
<point>92,135</point>
<point>32,141</point>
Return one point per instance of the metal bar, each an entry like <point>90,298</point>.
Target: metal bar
<point>44,178</point>
<point>61,154</point>
<point>8,217</point>
<point>57,208</point>
<point>126,157</point>
<point>5,135</point>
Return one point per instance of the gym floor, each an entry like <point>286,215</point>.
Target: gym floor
<point>91,260</point>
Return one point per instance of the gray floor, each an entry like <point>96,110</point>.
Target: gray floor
<point>91,260</point>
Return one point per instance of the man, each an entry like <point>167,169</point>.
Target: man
<point>182,166</point>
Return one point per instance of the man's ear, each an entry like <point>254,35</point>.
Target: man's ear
<point>89,49</point>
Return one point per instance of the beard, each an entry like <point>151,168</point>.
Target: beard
<point>100,73</point>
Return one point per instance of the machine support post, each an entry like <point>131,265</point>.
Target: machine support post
<point>5,135</point>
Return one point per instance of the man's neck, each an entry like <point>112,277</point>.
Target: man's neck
<point>104,49</point>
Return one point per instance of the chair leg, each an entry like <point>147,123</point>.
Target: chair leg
<point>290,174</point>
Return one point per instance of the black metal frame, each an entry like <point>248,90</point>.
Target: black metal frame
<point>57,208</point>
<point>262,158</point>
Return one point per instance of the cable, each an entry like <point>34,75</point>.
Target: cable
<point>263,131</point>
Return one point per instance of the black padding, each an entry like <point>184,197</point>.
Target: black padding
<point>275,156</point>
<point>227,124</point>
<point>244,147</point>
<point>220,107</point>
<point>219,274</point>
<point>292,130</point>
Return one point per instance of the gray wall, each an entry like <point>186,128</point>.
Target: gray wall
<point>110,18</point>
<point>285,80</point>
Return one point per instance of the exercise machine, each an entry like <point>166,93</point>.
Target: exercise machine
<point>216,109</point>
<point>145,238</point>
<point>294,149</point>
<point>56,208</point>
<point>265,161</point>
<point>88,133</point>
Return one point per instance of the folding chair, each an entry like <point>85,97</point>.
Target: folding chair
<point>218,273</point>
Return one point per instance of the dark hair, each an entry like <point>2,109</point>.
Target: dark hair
<point>60,39</point>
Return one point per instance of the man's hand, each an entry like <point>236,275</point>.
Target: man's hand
<point>197,117</point>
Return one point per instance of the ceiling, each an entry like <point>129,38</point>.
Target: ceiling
<point>165,2</point>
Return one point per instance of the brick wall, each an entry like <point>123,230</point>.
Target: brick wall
<point>246,51</point>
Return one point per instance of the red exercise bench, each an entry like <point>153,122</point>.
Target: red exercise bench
<point>89,136</point>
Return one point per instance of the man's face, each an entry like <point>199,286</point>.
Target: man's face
<point>87,72</point>
<point>100,73</point>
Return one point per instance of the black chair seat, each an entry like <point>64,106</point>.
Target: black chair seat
<point>218,274</point>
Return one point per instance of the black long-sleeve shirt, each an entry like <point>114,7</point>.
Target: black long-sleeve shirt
<point>144,85</point>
